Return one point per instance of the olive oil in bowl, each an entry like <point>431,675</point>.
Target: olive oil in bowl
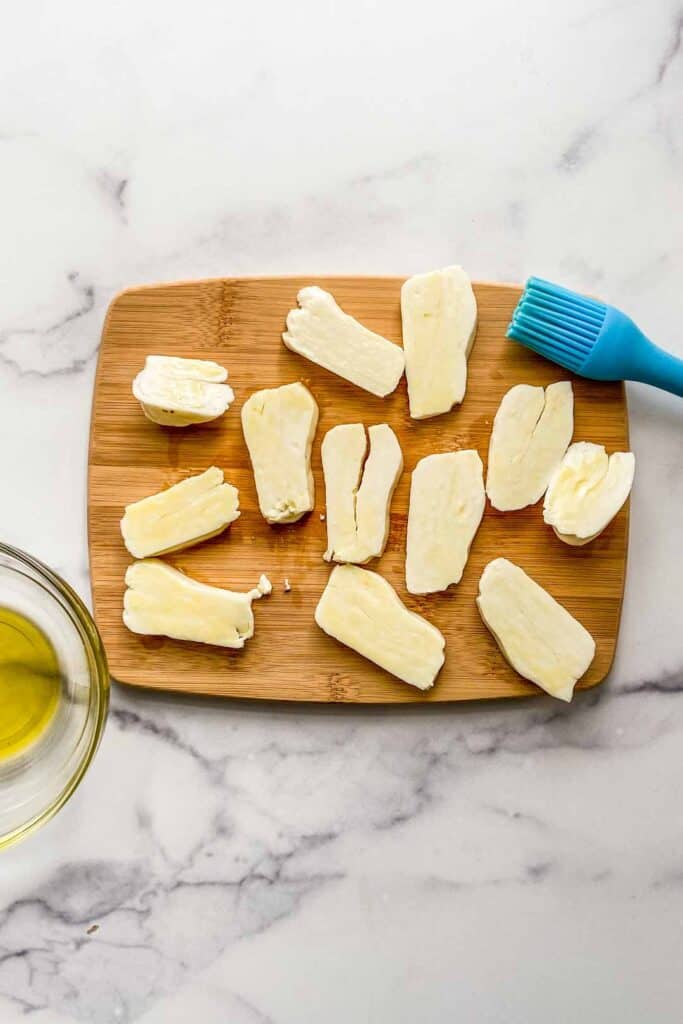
<point>30,682</point>
<point>54,693</point>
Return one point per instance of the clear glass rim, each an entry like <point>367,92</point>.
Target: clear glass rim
<point>99,688</point>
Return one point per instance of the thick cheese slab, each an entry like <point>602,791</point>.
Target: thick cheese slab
<point>586,491</point>
<point>186,513</point>
<point>446,506</point>
<point>178,392</point>
<point>279,426</point>
<point>161,601</point>
<point>531,431</point>
<point>358,492</point>
<point>439,313</point>
<point>343,453</point>
<point>362,610</point>
<point>539,637</point>
<point>325,334</point>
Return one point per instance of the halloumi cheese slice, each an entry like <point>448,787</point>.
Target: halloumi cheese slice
<point>186,513</point>
<point>362,610</point>
<point>343,452</point>
<point>161,601</point>
<point>531,431</point>
<point>586,491</point>
<point>359,492</point>
<point>325,334</point>
<point>279,427</point>
<point>535,633</point>
<point>178,392</point>
<point>439,313</point>
<point>446,505</point>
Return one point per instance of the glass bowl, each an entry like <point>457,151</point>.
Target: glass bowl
<point>37,780</point>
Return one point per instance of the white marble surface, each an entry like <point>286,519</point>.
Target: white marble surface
<point>512,864</point>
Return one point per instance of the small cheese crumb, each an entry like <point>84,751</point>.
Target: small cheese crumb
<point>322,517</point>
<point>264,586</point>
<point>287,586</point>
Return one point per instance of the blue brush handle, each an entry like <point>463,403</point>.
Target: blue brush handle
<point>624,353</point>
<point>652,365</point>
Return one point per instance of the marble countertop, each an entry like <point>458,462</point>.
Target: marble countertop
<point>239,864</point>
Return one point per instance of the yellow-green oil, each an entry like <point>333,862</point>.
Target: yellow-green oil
<point>30,682</point>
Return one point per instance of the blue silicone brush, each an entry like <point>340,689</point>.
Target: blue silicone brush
<point>590,338</point>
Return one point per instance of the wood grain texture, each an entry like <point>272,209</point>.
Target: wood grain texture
<point>238,323</point>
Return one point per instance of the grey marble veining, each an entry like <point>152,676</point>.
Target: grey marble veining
<point>239,864</point>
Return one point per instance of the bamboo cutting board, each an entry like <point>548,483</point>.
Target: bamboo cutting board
<point>238,323</point>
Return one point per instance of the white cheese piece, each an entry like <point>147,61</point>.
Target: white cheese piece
<point>188,512</point>
<point>439,313</point>
<point>279,426</point>
<point>179,392</point>
<point>586,491</point>
<point>381,474</point>
<point>446,505</point>
<point>358,511</point>
<point>539,637</point>
<point>343,452</point>
<point>264,586</point>
<point>531,431</point>
<point>360,609</point>
<point>325,334</point>
<point>161,601</point>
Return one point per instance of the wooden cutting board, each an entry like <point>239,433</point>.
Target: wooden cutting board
<point>238,322</point>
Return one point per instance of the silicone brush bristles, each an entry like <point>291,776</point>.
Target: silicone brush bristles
<point>557,323</point>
